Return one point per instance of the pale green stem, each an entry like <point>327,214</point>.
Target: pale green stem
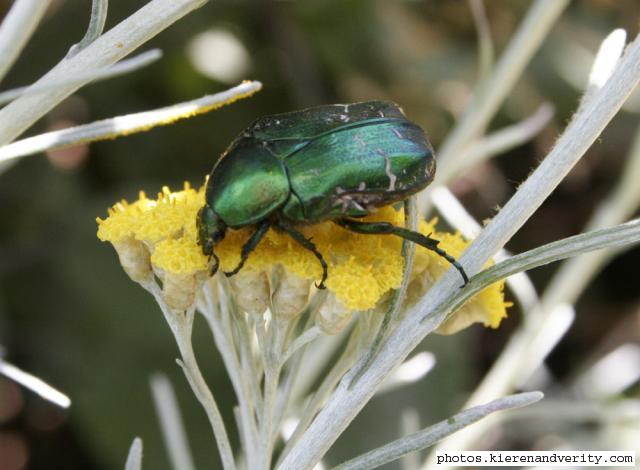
<point>580,134</point>
<point>496,143</point>
<point>204,395</point>
<point>347,359</point>
<point>96,26</point>
<point>236,324</point>
<point>618,206</point>
<point>134,458</point>
<point>390,318</point>
<point>605,62</point>
<point>299,344</point>
<point>181,324</point>
<point>273,346</point>
<point>34,384</point>
<point>248,362</point>
<point>223,340</point>
<point>490,93</point>
<point>615,237</point>
<point>520,357</point>
<point>322,352</point>
<point>410,424</point>
<point>524,351</point>
<point>122,67</point>
<point>621,235</point>
<point>305,338</point>
<point>620,411</point>
<point>123,125</point>
<point>16,29</point>
<point>486,53</point>
<point>171,424</point>
<point>457,216</point>
<point>106,50</point>
<point>429,436</point>
<point>245,459</point>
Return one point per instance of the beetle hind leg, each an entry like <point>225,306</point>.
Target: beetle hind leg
<point>250,245</point>
<point>385,228</point>
<point>309,245</point>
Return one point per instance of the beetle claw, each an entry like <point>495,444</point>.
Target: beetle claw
<point>321,286</point>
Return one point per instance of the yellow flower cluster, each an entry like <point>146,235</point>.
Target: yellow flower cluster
<point>362,268</point>
<point>166,225</point>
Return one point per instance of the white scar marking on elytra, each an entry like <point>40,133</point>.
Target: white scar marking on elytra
<point>362,186</point>
<point>387,170</point>
<point>397,133</point>
<point>357,206</point>
<point>346,201</point>
<point>349,203</point>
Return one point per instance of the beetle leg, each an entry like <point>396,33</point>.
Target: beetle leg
<point>250,245</point>
<point>216,262</point>
<point>308,244</point>
<point>385,228</point>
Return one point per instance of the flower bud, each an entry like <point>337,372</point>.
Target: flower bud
<point>333,316</point>
<point>251,291</point>
<point>291,296</point>
<point>135,258</point>
<point>179,290</point>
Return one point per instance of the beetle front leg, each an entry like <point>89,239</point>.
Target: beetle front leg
<point>216,263</point>
<point>308,244</point>
<point>250,245</point>
<point>385,228</point>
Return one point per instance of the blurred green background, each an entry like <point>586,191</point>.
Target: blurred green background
<point>70,315</point>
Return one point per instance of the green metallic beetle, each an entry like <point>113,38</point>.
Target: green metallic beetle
<point>336,162</point>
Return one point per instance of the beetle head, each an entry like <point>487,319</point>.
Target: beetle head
<point>211,231</point>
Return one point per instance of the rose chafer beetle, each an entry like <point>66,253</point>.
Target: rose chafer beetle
<point>336,162</point>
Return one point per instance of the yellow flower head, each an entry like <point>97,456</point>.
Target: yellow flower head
<point>167,225</point>
<point>362,269</point>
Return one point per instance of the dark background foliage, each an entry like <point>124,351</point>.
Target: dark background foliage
<point>69,314</point>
